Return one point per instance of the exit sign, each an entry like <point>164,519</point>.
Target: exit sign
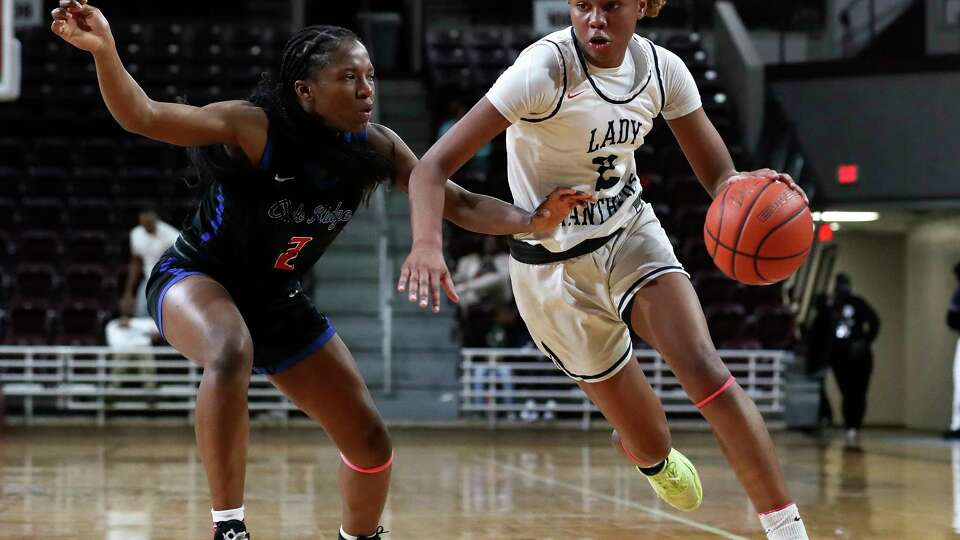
<point>848,174</point>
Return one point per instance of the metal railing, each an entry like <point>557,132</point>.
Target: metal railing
<point>384,286</point>
<point>506,384</point>
<point>100,380</point>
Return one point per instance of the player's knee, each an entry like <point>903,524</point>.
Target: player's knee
<point>702,368</point>
<point>229,356</point>
<point>372,447</point>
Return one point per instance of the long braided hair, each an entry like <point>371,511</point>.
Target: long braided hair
<point>310,49</point>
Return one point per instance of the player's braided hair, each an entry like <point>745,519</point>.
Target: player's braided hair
<point>653,7</point>
<point>310,49</point>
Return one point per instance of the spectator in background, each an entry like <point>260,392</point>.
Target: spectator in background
<point>148,241</point>
<point>129,332</point>
<point>953,321</point>
<point>817,339</point>
<point>851,325</point>
<point>484,284</point>
<point>455,111</point>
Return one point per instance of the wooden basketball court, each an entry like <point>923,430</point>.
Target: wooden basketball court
<point>138,484</point>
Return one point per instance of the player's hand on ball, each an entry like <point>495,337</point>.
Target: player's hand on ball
<point>422,275</point>
<point>767,173</point>
<point>558,206</point>
<point>81,25</point>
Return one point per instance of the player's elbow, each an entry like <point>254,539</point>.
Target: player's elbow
<point>139,121</point>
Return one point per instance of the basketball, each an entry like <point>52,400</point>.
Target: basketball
<point>758,231</point>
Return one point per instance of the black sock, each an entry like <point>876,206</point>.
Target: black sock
<point>650,471</point>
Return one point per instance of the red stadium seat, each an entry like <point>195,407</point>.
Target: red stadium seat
<point>36,283</point>
<point>39,246</point>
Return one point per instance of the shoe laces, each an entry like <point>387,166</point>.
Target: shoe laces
<point>376,534</point>
<point>670,479</point>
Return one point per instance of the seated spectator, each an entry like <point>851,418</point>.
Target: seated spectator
<point>484,284</point>
<point>128,332</point>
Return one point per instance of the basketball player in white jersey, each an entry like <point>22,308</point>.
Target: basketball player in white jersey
<point>576,105</point>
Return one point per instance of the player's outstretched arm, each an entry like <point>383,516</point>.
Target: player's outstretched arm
<point>233,123</point>
<point>424,270</point>
<point>475,212</point>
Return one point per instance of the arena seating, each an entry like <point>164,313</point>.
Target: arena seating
<point>72,182</point>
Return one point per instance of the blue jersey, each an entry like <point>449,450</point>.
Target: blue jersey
<point>272,223</point>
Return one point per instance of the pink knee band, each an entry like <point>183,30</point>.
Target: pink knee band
<point>706,401</point>
<point>372,470</point>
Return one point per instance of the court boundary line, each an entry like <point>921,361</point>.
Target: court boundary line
<point>615,500</point>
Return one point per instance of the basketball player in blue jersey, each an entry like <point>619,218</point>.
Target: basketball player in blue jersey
<point>576,105</point>
<point>286,170</point>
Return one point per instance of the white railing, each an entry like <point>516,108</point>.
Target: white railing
<point>100,380</point>
<point>385,286</point>
<point>522,384</point>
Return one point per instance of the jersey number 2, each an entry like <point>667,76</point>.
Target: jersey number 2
<point>283,261</point>
<point>605,165</point>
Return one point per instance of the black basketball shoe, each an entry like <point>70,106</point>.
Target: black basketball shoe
<point>376,535</point>
<point>233,529</point>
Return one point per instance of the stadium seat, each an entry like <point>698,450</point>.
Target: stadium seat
<point>88,283</point>
<point>646,157</point>
<point>714,288</point>
<point>98,153</point>
<point>36,282</point>
<point>446,39</point>
<point>448,58</point>
<point>90,214</point>
<point>9,216</point>
<point>90,182</point>
<point>142,183</point>
<point>88,247</point>
<point>686,191</point>
<point>42,213</point>
<point>487,38</point>
<point>694,256</point>
<point>28,324</point>
<point>726,322</point>
<point>11,152</point>
<point>44,182</point>
<point>39,246</point>
<point>769,296</point>
<point>776,328</point>
<point>688,220</point>
<point>81,324</point>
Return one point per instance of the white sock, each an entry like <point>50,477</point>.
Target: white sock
<point>784,524</point>
<point>227,515</point>
<point>344,534</point>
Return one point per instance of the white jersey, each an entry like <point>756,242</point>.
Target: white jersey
<point>576,125</point>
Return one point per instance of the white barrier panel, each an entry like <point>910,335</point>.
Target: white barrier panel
<point>98,380</point>
<point>523,385</point>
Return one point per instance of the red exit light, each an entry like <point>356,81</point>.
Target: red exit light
<point>825,233</point>
<point>848,174</point>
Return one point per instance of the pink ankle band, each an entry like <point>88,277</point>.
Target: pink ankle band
<point>777,509</point>
<point>372,470</point>
<point>629,453</point>
<point>706,401</point>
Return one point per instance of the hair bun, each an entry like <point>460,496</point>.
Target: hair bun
<point>653,7</point>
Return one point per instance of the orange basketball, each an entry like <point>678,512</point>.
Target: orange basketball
<point>758,231</point>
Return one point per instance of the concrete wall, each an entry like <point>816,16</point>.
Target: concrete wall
<point>942,38</point>
<point>932,250</point>
<point>908,279</point>
<point>860,255</point>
